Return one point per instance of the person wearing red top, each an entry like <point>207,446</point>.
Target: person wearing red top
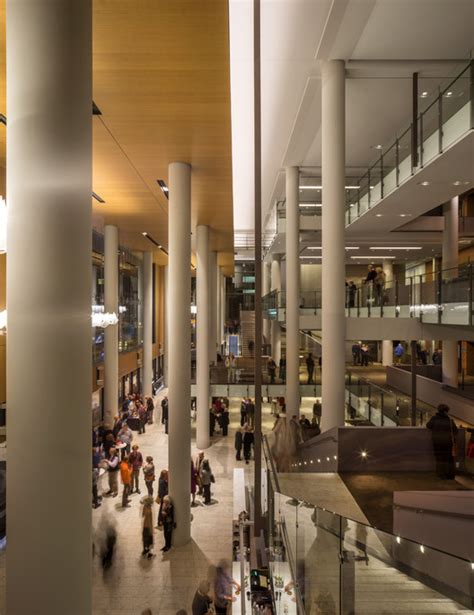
<point>126,476</point>
<point>135,459</point>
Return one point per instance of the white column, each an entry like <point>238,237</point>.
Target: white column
<point>292,291</point>
<point>450,270</point>
<point>387,345</point>
<point>202,336</point>
<point>147,381</point>
<point>275,281</point>
<point>212,306</point>
<point>266,287</point>
<point>49,354</point>
<point>111,333</point>
<point>179,351</point>
<point>333,235</point>
<point>217,329</point>
<point>222,289</point>
<point>166,329</point>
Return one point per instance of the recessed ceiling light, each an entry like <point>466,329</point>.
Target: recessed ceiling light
<point>378,215</point>
<point>460,183</point>
<point>425,183</point>
<point>372,257</point>
<point>377,146</point>
<point>98,198</point>
<point>423,94</point>
<point>397,248</point>
<point>448,94</point>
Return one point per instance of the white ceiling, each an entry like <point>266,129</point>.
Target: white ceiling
<point>383,42</point>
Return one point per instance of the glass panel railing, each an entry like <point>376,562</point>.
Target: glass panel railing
<point>324,562</point>
<point>446,117</point>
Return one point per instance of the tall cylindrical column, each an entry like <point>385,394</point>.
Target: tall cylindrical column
<point>49,177</point>
<point>212,306</point>
<point>202,336</point>
<point>111,340</point>
<point>333,231</point>
<point>292,291</point>
<point>217,329</point>
<point>266,287</point>
<point>450,270</point>
<point>147,382</point>
<point>166,328</point>
<point>222,290</point>
<point>387,345</point>
<point>179,351</point>
<point>275,283</point>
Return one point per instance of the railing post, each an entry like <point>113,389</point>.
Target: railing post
<point>440,122</point>
<point>369,196</point>
<point>381,177</point>
<point>439,295</point>
<point>397,312</point>
<point>471,90</point>
<point>397,162</point>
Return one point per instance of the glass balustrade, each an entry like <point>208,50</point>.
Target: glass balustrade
<point>324,562</point>
<point>446,117</point>
<point>442,298</point>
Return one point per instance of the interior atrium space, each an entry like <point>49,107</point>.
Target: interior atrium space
<point>236,307</point>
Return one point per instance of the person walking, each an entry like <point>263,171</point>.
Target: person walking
<point>248,440</point>
<point>166,521</point>
<point>250,413</point>
<point>126,476</point>
<point>206,479</point>
<point>238,442</point>
<point>399,352</point>
<point>271,369</point>
<point>202,602</point>
<point>149,474</point>
<point>443,434</point>
<point>310,367</point>
<point>243,412</point>
<point>147,528</point>
<point>136,461</point>
<point>113,467</point>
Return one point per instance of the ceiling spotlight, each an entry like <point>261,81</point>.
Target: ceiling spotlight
<point>448,94</point>
<point>460,183</point>
<point>164,187</point>
<point>425,183</point>
<point>98,198</point>
<point>377,146</point>
<point>378,215</point>
<point>423,94</point>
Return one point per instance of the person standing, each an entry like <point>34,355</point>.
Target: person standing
<point>248,440</point>
<point>197,468</point>
<point>164,410</point>
<point>126,476</point>
<point>238,444</point>
<point>193,484</point>
<point>166,521</point>
<point>143,417</point>
<point>206,480</point>
<point>223,588</point>
<point>225,421</point>
<point>282,368</point>
<point>351,292</point>
<point>136,461</point>
<point>243,412</point>
<point>149,474</point>
<point>162,490</point>
<point>399,352</point>
<point>95,493</point>
<point>356,348</point>
<point>202,601</point>
<point>125,435</point>
<point>150,406</point>
<point>443,434</point>
<point>147,528</point>
<point>271,369</point>
<point>310,367</point>
<point>364,355</point>
<point>113,467</point>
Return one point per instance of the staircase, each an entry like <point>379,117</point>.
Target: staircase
<point>247,331</point>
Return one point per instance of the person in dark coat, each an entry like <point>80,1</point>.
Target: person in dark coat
<point>238,444</point>
<point>243,412</point>
<point>443,433</point>
<point>212,421</point>
<point>225,421</point>
<point>310,367</point>
<point>248,440</point>
<point>164,410</point>
<point>166,521</point>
